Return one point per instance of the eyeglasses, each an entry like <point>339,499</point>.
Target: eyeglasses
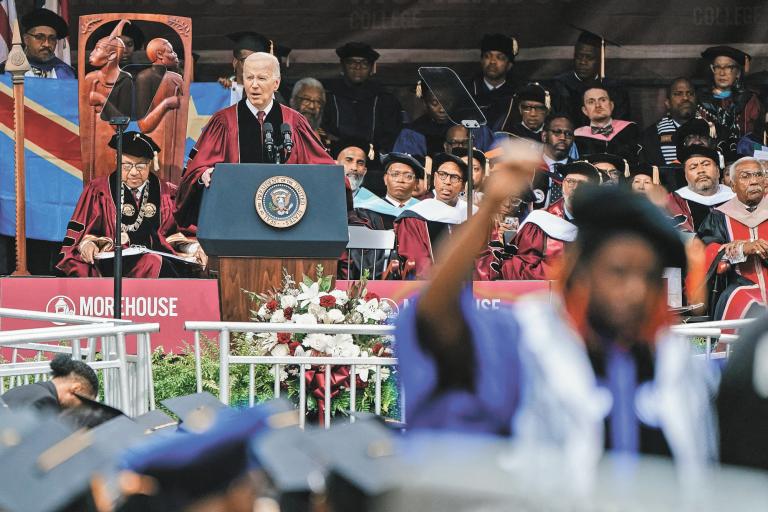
<point>452,178</point>
<point>406,176</point>
<point>141,167</point>
<point>310,101</point>
<point>456,142</point>
<point>747,176</point>
<point>531,108</point>
<point>357,63</point>
<point>41,38</point>
<point>572,182</point>
<point>568,134</point>
<point>725,67</point>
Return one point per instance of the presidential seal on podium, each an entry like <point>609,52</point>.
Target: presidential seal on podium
<point>281,201</point>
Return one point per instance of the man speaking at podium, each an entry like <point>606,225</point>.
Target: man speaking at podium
<point>241,134</point>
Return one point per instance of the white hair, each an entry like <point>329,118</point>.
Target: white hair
<point>307,82</point>
<point>742,161</point>
<point>264,57</point>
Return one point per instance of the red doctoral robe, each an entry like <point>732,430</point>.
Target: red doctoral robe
<point>731,222</point>
<point>690,208</point>
<point>540,242</point>
<point>232,136</point>
<point>94,217</point>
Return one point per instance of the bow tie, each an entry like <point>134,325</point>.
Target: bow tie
<point>605,130</point>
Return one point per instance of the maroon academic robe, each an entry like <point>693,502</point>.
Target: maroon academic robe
<point>231,136</point>
<point>689,209</point>
<point>95,217</point>
<point>540,242</point>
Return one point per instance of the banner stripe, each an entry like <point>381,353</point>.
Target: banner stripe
<point>48,114</point>
<point>51,158</point>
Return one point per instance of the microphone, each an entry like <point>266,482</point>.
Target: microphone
<point>285,128</point>
<point>269,140</point>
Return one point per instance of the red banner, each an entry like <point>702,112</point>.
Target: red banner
<point>169,302</point>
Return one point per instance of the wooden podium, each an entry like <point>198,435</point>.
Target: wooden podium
<point>258,219</point>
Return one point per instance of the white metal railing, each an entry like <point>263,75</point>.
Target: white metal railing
<point>226,360</point>
<point>131,389</point>
<point>713,332</point>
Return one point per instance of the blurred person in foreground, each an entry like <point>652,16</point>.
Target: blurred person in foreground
<point>563,372</point>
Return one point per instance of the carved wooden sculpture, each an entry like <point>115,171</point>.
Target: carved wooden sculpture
<point>166,121</point>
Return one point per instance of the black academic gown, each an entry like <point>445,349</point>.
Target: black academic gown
<point>522,131</point>
<point>567,91</point>
<point>364,110</point>
<point>624,143</point>
<point>41,396</point>
<point>496,104</point>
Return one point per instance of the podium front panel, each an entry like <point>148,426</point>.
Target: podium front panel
<point>230,225</point>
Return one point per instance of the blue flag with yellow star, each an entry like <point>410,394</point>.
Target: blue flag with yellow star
<point>54,176</point>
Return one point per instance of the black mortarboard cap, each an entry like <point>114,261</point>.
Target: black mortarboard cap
<point>129,29</point>
<point>404,158</point>
<point>45,18</point>
<point>686,152</point>
<point>619,163</point>
<point>154,421</point>
<point>50,468</point>
<point>590,39</point>
<point>603,212</point>
<point>255,42</point>
<point>714,52</point>
<point>580,167</point>
<point>441,158</point>
<point>695,126</point>
<point>196,411</point>
<point>500,43</point>
<point>358,49</point>
<point>357,142</point>
<point>136,144</point>
<point>642,169</point>
<point>461,152</point>
<point>534,91</point>
<point>90,413</point>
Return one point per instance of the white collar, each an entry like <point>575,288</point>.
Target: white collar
<point>596,77</point>
<point>395,202</point>
<point>554,226</point>
<point>722,195</point>
<point>139,189</point>
<point>437,211</point>
<point>255,110</point>
<point>491,86</point>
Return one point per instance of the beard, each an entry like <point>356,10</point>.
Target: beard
<point>314,119</point>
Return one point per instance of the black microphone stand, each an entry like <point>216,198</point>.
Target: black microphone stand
<point>121,123</point>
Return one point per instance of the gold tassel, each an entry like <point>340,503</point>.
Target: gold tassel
<point>626,169</point>
<point>288,61</point>
<point>427,165</point>
<point>371,152</point>
<point>655,178</point>
<point>712,130</point>
<point>747,61</point>
<point>271,47</point>
<point>373,70</point>
<point>515,47</point>
<point>419,91</point>
<point>602,59</point>
<point>547,100</point>
<point>155,161</point>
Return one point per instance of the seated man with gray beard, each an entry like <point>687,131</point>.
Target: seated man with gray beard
<point>308,99</point>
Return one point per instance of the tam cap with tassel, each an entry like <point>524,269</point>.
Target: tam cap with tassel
<point>534,91</point>
<point>419,89</point>
<point>597,41</point>
<point>500,43</point>
<point>139,145</point>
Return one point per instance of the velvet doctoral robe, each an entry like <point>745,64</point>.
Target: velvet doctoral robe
<point>540,242</point>
<point>94,217</point>
<point>233,135</point>
<point>747,280</point>
<point>695,207</point>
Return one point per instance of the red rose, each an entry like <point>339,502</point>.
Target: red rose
<point>377,349</point>
<point>327,301</point>
<point>292,346</point>
<point>371,296</point>
<point>272,306</point>
<point>288,313</point>
<point>283,337</point>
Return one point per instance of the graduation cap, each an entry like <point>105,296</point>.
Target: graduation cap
<point>645,169</point>
<point>90,413</point>
<point>255,42</point>
<point>580,167</point>
<point>194,465</point>
<point>49,468</point>
<point>285,455</point>
<point>687,152</point>
<point>358,142</point>
<point>534,91</point>
<point>461,152</point>
<point>603,212</point>
<point>128,29</point>
<point>596,41</point>
<point>440,158</point>
<point>139,145</point>
<point>616,161</point>
<point>737,55</point>
<point>154,421</point>
<point>45,18</point>
<point>196,411</point>
<point>404,158</point>
<point>500,43</point>
<point>358,49</point>
<point>695,126</point>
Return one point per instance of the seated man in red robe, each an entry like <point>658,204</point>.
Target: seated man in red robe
<point>541,238</point>
<point>691,204</point>
<point>147,221</point>
<point>236,135</point>
<point>737,232</point>
<point>420,225</point>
